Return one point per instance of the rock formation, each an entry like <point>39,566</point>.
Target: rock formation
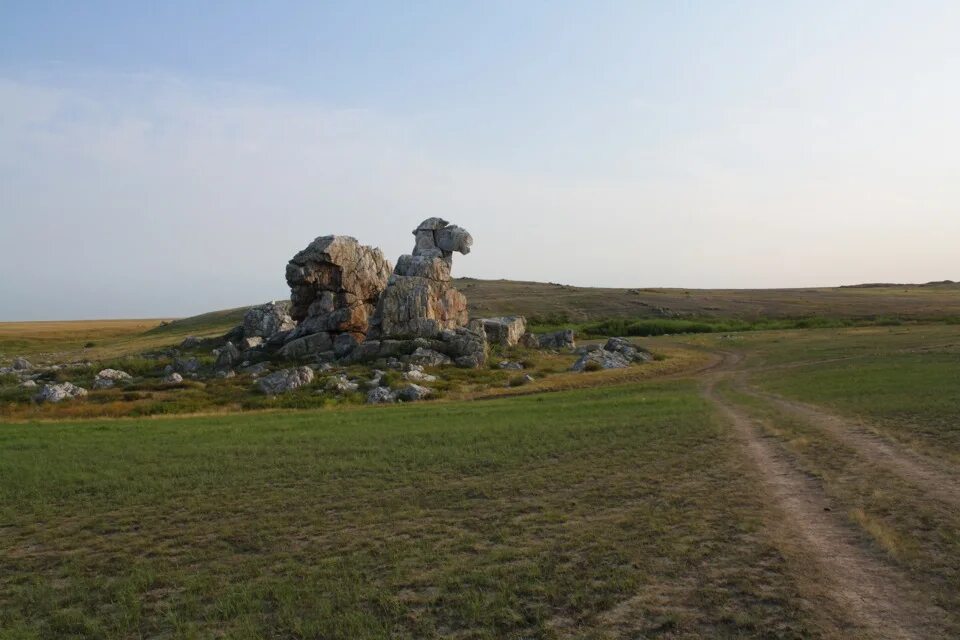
<point>617,353</point>
<point>335,284</point>
<point>265,321</point>
<point>420,301</point>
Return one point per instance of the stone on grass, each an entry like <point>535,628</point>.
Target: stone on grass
<point>172,378</point>
<point>413,393</point>
<point>28,384</point>
<point>602,359</point>
<point>510,365</point>
<point>60,392</point>
<point>107,378</point>
<point>285,380</point>
<point>380,395</point>
<point>21,364</point>
<point>227,357</point>
<point>419,376</point>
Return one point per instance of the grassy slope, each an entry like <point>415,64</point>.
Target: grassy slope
<point>494,297</point>
<point>596,513</point>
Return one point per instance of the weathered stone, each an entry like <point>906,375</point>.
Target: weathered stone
<point>604,360</point>
<point>345,343</point>
<point>172,378</point>
<point>628,350</point>
<point>227,357</point>
<point>21,364</point>
<point>530,341</point>
<point>509,365</point>
<point>505,331</point>
<point>107,378</point>
<point>419,300</point>
<point>413,393</point>
<point>307,346</point>
<point>380,395</point>
<point>28,384</point>
<point>334,285</point>
<point>60,392</point>
<point>285,380</point>
<point>415,375</point>
<point>188,365</point>
<point>255,370</point>
<point>251,343</point>
<point>428,358</point>
<point>564,339</point>
<point>266,320</point>
<point>340,384</point>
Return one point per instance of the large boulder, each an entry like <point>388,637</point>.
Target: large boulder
<point>307,346</point>
<point>285,380</point>
<point>228,356</point>
<point>335,284</point>
<point>60,392</point>
<point>505,331</point>
<point>419,301</point>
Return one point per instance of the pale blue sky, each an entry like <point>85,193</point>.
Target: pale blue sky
<point>168,158</point>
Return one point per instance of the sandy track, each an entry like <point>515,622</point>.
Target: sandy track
<point>913,467</point>
<point>865,597</point>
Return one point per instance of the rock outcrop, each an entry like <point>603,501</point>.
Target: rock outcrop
<point>335,284</point>
<point>420,316</point>
<point>420,300</point>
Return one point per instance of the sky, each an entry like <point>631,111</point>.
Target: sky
<point>166,159</point>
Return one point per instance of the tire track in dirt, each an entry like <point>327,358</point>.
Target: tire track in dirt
<point>915,468</point>
<point>862,592</point>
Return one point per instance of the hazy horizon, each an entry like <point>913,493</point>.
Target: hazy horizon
<point>163,161</point>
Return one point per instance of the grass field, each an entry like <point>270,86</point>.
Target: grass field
<point>583,514</point>
<point>796,483</point>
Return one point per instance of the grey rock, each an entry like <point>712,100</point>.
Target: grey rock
<point>603,358</point>
<point>306,347</point>
<point>340,384</point>
<point>380,395</point>
<point>285,380</point>
<point>334,285</point>
<point>510,365</point>
<point>505,331</point>
<point>60,392</point>
<point>428,358</point>
<point>186,365</point>
<point>419,376</point>
<point>413,393</point>
<point>226,373</point>
<point>228,356</point>
<point>28,384</point>
<point>628,350</point>
<point>265,320</point>
<point>564,339</point>
<point>255,370</point>
<point>345,343</point>
<point>21,364</point>
<point>191,342</point>
<point>419,300</point>
<point>529,341</point>
<point>172,378</point>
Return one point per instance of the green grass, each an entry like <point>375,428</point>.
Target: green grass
<point>904,381</point>
<point>592,514</point>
